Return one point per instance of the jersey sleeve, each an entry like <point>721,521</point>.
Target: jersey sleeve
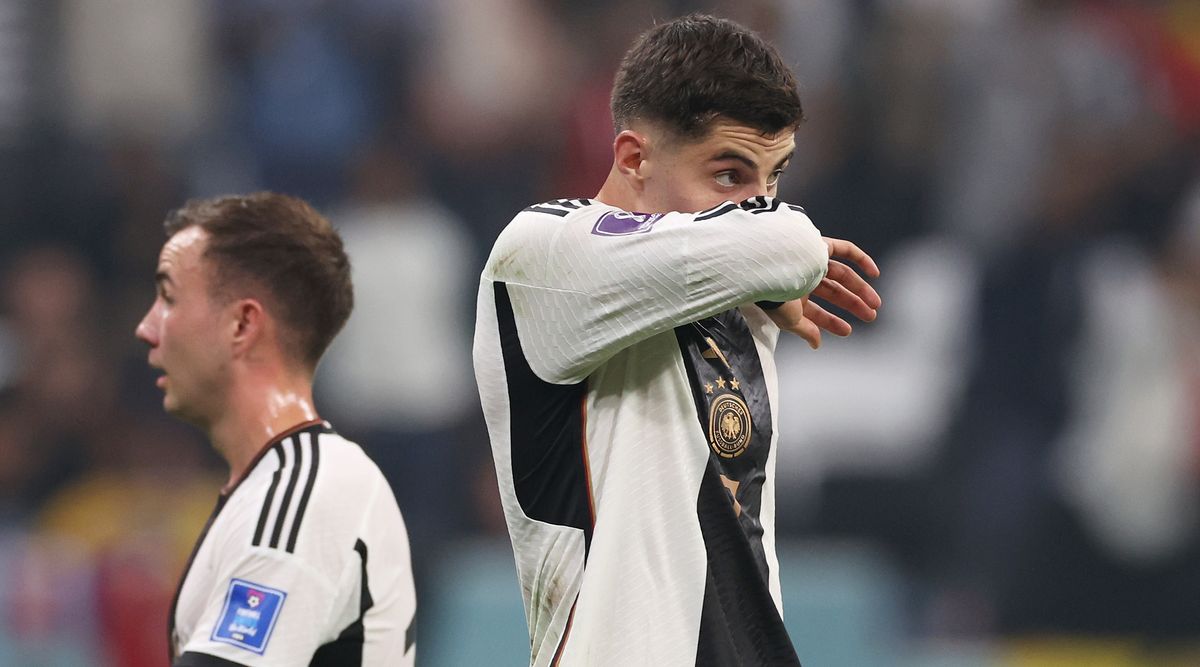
<point>587,284</point>
<point>269,607</point>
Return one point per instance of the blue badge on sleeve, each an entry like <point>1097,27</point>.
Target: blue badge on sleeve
<point>249,615</point>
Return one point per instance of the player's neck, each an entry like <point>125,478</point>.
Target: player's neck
<point>261,407</point>
<point>617,192</point>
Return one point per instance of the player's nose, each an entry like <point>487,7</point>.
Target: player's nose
<point>760,188</point>
<point>146,332</point>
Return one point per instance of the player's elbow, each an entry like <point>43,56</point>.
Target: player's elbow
<point>800,259</point>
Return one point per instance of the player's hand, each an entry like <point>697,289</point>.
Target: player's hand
<point>841,287</point>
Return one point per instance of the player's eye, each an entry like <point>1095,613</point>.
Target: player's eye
<point>727,178</point>
<point>773,179</point>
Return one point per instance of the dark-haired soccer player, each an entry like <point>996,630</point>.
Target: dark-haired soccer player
<point>627,374</point>
<point>305,559</point>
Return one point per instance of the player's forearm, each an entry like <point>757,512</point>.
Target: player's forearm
<point>751,257</point>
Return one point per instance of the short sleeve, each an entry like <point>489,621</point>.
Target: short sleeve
<point>269,609</point>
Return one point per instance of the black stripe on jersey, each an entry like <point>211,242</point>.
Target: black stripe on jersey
<point>171,647</point>
<point>566,203</point>
<point>286,503</point>
<point>799,209</point>
<point>754,203</point>
<point>739,622</point>
<point>347,649</point>
<point>715,208</point>
<point>410,635</point>
<point>547,422</point>
<point>552,211</point>
<point>266,508</point>
<point>717,212</point>
<point>308,487</point>
<point>767,209</point>
<point>192,659</point>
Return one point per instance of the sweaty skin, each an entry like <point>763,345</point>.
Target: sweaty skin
<point>222,370</point>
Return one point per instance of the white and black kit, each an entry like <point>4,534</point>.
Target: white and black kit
<point>305,561</point>
<point>628,382</point>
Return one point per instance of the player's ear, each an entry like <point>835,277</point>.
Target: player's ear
<point>630,150</point>
<point>249,323</point>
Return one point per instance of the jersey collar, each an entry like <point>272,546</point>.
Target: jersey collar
<point>228,489</point>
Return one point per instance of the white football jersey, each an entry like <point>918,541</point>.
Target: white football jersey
<point>304,562</point>
<point>629,388</point>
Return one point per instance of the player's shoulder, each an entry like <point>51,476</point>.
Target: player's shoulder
<point>553,217</point>
<point>576,218</point>
<point>562,208</point>
<point>308,473</point>
<point>345,467</point>
<point>529,240</point>
<point>344,487</point>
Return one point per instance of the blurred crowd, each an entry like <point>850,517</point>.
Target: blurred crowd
<point>1019,432</point>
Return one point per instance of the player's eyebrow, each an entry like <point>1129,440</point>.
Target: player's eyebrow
<point>734,155</point>
<point>730,154</point>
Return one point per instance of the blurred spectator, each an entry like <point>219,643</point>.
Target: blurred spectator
<point>1016,86</point>
<point>137,68</point>
<point>135,515</point>
<point>1129,450</point>
<point>402,364</point>
<point>495,80</point>
<point>47,603</point>
<point>1017,560</point>
<point>17,71</point>
<point>1016,431</point>
<point>61,391</point>
<point>603,32</point>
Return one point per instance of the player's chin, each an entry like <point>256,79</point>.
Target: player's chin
<point>172,405</point>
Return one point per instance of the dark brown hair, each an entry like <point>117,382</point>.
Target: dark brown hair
<point>275,246</point>
<point>684,73</point>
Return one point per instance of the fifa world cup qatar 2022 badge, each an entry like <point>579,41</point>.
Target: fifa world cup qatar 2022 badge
<point>622,223</point>
<point>249,615</point>
<point>729,425</point>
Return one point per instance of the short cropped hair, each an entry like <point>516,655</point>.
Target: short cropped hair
<point>278,245</point>
<point>684,73</point>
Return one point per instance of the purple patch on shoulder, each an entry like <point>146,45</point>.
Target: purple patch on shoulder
<point>621,223</point>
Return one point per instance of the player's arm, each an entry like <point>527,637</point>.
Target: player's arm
<point>269,608</point>
<point>842,287</point>
<point>584,288</point>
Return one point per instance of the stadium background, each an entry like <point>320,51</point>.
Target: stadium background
<point>1003,470</point>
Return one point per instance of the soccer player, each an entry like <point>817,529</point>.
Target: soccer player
<point>624,355</point>
<point>305,558</point>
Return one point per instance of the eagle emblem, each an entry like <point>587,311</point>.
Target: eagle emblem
<point>729,425</point>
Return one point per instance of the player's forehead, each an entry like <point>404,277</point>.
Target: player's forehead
<point>726,137</point>
<point>182,254</point>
